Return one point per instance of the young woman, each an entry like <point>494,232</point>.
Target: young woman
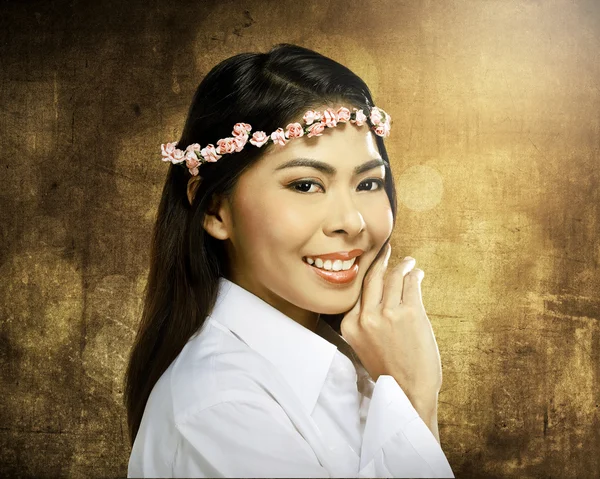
<point>271,344</point>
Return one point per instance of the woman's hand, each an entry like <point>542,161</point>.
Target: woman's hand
<point>390,332</point>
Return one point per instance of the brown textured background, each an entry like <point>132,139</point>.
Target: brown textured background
<point>495,149</point>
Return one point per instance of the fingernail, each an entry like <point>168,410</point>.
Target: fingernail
<point>388,253</point>
<point>408,258</point>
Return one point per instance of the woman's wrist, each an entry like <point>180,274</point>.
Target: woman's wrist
<point>427,409</point>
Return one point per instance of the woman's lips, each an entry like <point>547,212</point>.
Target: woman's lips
<point>336,277</point>
<point>342,255</point>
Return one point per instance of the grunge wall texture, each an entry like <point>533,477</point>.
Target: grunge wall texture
<point>495,148</point>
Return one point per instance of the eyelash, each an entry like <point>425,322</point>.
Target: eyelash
<point>311,182</point>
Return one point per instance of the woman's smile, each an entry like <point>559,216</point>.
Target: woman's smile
<point>329,272</point>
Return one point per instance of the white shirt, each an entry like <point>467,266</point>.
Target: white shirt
<point>255,394</point>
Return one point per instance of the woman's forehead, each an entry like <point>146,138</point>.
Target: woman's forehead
<point>347,144</point>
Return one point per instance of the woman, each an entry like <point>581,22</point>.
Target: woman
<point>270,343</point>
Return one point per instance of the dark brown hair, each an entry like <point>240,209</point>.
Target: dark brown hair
<point>266,90</point>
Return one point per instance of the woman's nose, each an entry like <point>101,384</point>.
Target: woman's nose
<point>345,216</point>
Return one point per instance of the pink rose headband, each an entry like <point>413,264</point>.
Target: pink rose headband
<point>315,123</point>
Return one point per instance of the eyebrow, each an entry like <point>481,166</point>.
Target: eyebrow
<point>327,168</point>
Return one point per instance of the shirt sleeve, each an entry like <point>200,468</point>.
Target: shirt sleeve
<point>396,441</point>
<point>243,438</point>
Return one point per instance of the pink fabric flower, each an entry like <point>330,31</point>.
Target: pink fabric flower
<point>383,129</point>
<point>316,129</point>
<point>278,136</point>
<point>376,116</point>
<point>294,130</point>
<point>240,142</point>
<point>388,128</point>
<point>171,153</point>
<point>259,138</point>
<point>343,114</point>
<point>178,156</point>
<point>193,171</point>
<point>226,145</point>
<point>209,153</point>
<point>190,156</point>
<point>191,160</point>
<point>310,116</point>
<point>329,118</point>
<point>360,119</point>
<point>380,129</point>
<point>193,147</point>
<point>241,129</point>
<point>167,150</point>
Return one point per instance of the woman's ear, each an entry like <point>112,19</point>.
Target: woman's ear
<point>217,218</point>
<point>192,187</point>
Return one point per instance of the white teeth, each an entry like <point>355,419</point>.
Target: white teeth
<point>329,265</point>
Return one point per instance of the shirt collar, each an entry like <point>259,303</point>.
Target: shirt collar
<point>302,356</point>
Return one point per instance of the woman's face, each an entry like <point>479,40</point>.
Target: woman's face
<point>280,215</point>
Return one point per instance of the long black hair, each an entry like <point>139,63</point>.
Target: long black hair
<point>266,90</point>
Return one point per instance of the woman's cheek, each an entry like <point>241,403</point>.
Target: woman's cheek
<point>381,222</point>
<point>297,222</point>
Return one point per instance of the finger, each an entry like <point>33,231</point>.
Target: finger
<point>411,294</point>
<point>372,291</point>
<point>392,289</point>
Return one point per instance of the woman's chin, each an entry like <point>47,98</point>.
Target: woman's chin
<point>334,309</point>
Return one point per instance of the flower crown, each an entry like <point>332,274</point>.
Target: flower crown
<point>315,123</point>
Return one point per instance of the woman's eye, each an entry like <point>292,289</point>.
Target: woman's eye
<point>372,181</point>
<point>304,185</point>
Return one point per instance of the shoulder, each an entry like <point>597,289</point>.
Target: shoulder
<point>216,366</point>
